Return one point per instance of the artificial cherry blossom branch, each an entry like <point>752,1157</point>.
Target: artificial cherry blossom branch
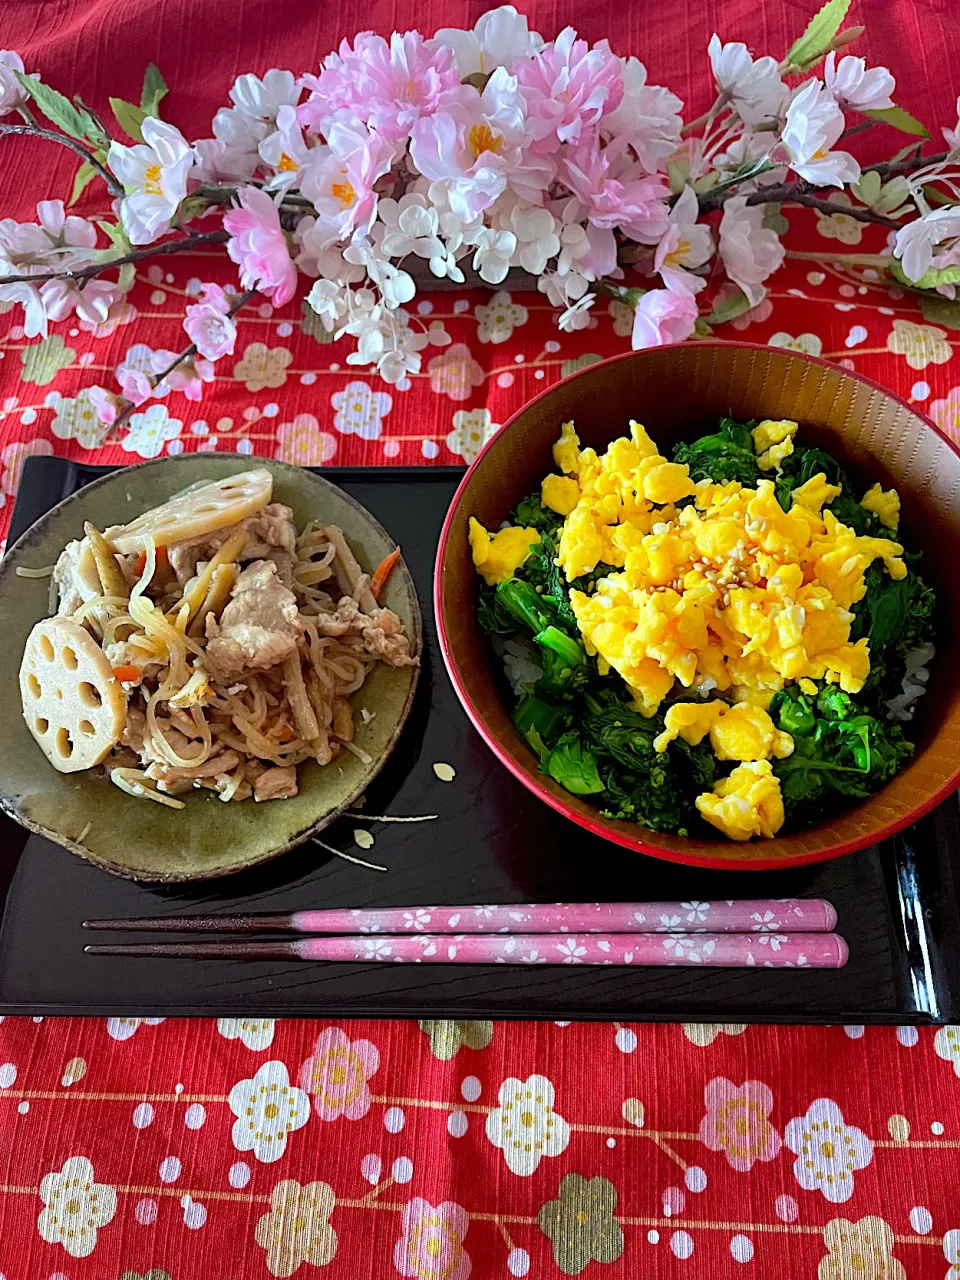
<point>49,135</point>
<point>186,354</point>
<point>87,272</point>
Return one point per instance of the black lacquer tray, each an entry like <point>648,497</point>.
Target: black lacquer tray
<point>494,842</point>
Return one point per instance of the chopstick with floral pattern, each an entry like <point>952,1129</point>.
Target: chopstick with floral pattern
<point>764,915</point>
<point>719,950</point>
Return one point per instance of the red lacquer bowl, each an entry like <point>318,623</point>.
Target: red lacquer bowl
<point>679,392</point>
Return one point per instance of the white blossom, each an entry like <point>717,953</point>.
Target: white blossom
<point>328,301</point>
<point>500,36</point>
<point>154,175</point>
<point>262,99</point>
<point>648,114</point>
<point>750,251</point>
<point>952,136</point>
<point>914,244</point>
<point>537,239</point>
<point>562,290</point>
<point>577,316</point>
<point>285,151</point>
<point>411,226</point>
<point>493,251</point>
<point>684,245</point>
<point>34,314</point>
<point>12,92</point>
<point>754,89</point>
<point>814,123</point>
<point>856,88</point>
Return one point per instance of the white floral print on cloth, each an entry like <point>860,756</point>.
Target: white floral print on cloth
<point>497,319</point>
<point>75,1207</point>
<point>807,343</point>
<point>303,443</point>
<point>336,1074</point>
<point>124,1028</point>
<point>13,457</point>
<point>946,1045</point>
<point>261,366</point>
<point>839,226</point>
<point>859,1251</point>
<point>268,1108</point>
<point>360,410</point>
<point>703,1034</point>
<point>828,1150</point>
<point>254,1033</point>
<point>951,1251</point>
<point>149,431</point>
<point>455,373</point>
<point>76,419</point>
<point>525,1126</point>
<point>472,428</point>
<point>431,1244</point>
<point>737,1122</point>
<point>297,1228</point>
<point>919,344</point>
<point>139,359</point>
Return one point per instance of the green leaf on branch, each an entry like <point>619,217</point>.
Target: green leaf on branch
<point>81,178</point>
<point>126,276</point>
<point>58,109</point>
<point>931,279</point>
<point>729,307</point>
<point>153,92</point>
<point>191,207</point>
<point>95,131</point>
<point>897,118</point>
<point>940,310</point>
<point>815,41</point>
<point>116,235</point>
<point>128,117</point>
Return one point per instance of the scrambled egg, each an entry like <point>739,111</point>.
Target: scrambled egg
<point>740,732</point>
<point>883,503</point>
<point>498,556</point>
<point>773,441</point>
<point>747,803</point>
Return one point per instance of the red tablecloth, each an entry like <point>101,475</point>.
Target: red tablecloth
<point>672,1150</point>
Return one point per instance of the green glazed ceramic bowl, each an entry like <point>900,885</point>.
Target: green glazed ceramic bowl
<point>207,838</point>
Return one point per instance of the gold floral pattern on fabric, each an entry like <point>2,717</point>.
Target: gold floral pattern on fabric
<point>580,1223</point>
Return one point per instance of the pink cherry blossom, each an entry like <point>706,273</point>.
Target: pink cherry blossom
<point>208,326</point>
<point>387,86</point>
<point>737,1122</point>
<point>616,191</point>
<point>341,182</point>
<point>473,144</point>
<point>568,87</point>
<point>662,317</point>
<point>258,246</point>
<point>135,385</point>
<point>107,405</point>
<point>189,376</point>
<point>336,1074</point>
<point>15,455</point>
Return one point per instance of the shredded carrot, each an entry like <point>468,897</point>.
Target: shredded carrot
<point>382,572</point>
<point>163,561</point>
<point>286,734</point>
<point>128,674</point>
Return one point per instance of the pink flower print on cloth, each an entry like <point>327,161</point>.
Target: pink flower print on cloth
<point>737,1122</point>
<point>431,1246</point>
<point>336,1075</point>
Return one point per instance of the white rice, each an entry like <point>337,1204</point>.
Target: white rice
<point>901,706</point>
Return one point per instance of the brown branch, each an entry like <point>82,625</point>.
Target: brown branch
<point>184,245</point>
<point>796,195</point>
<point>156,378</point>
<point>31,130</point>
<point>905,166</point>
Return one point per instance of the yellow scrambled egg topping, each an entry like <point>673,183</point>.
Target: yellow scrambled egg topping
<point>728,593</point>
<point>498,556</point>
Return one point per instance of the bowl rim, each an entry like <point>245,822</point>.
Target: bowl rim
<point>8,804</point>
<point>598,825</point>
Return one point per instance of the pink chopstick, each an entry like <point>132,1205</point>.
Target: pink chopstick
<point>707,950</point>
<point>765,915</point>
